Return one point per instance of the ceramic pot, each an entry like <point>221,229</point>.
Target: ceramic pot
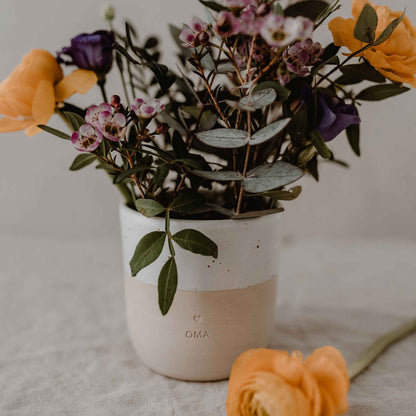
<point>222,307</point>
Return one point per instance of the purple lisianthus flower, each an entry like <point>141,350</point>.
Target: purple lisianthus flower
<point>112,127</point>
<point>90,51</point>
<point>87,139</point>
<point>335,116</point>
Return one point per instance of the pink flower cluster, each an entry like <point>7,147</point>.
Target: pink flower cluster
<point>194,34</point>
<point>257,19</point>
<point>302,55</point>
<point>101,122</point>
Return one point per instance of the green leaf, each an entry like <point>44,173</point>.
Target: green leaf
<point>306,155</point>
<point>55,132</point>
<point>258,99</point>
<point>320,145</point>
<point>224,138</point>
<point>81,161</point>
<point>388,31</point>
<point>269,132</point>
<point>353,134</point>
<point>213,5</point>
<point>365,28</point>
<point>167,285</point>
<point>309,8</point>
<point>282,92</point>
<point>381,92</point>
<point>271,176</point>
<point>160,175</point>
<point>219,175</point>
<point>257,214</point>
<point>75,120</point>
<point>129,172</point>
<point>332,8</point>
<point>179,146</point>
<point>149,207</point>
<point>333,60</point>
<point>121,50</point>
<point>354,74</point>
<point>196,242</point>
<point>147,251</point>
<point>188,202</point>
<point>173,123</point>
<point>284,195</point>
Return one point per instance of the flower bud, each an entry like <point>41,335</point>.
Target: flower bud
<point>162,128</point>
<point>108,12</point>
<point>115,99</point>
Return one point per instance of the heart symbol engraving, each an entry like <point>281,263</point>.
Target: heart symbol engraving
<point>197,319</point>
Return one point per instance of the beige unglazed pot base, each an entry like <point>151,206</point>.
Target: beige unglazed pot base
<point>203,333</point>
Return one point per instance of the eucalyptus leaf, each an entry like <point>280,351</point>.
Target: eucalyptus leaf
<point>55,132</point>
<point>188,202</point>
<point>282,92</point>
<point>81,161</point>
<point>381,92</point>
<point>167,285</point>
<point>284,195</point>
<point>196,242</point>
<point>320,145</point>
<point>149,207</point>
<point>147,251</point>
<point>224,138</point>
<point>74,119</point>
<point>271,176</point>
<point>259,99</point>
<point>269,132</point>
<point>365,28</point>
<point>219,175</point>
<point>160,175</point>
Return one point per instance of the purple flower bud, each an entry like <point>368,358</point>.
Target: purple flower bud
<point>87,139</point>
<point>301,55</point>
<point>162,128</point>
<point>90,51</point>
<point>114,100</point>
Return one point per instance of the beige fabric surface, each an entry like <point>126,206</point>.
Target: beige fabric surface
<point>64,348</point>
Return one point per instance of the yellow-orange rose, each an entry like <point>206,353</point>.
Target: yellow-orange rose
<point>275,383</point>
<point>28,97</point>
<point>396,57</point>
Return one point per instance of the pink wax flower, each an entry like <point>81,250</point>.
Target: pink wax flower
<point>239,4</point>
<point>194,34</point>
<point>227,25</point>
<point>147,109</point>
<point>301,55</point>
<point>112,127</point>
<point>250,22</point>
<point>94,111</point>
<point>279,31</point>
<point>87,139</point>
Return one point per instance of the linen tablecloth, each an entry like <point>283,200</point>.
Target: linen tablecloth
<point>65,350</point>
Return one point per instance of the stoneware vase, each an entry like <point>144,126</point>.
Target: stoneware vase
<point>222,308</point>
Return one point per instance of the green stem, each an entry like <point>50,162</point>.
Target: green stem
<point>101,84</point>
<point>168,233</point>
<point>381,345</point>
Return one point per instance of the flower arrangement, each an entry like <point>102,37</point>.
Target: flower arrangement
<point>251,109</point>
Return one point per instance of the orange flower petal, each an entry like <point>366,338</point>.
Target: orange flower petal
<point>9,124</point>
<point>80,81</point>
<point>43,105</point>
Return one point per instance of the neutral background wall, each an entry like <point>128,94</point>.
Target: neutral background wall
<point>375,198</point>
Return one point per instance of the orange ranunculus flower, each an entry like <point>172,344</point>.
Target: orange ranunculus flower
<point>29,96</point>
<point>396,57</point>
<point>275,383</point>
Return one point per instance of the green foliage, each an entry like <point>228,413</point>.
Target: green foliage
<point>167,285</point>
<point>381,92</point>
<point>353,134</point>
<point>365,28</point>
<point>320,145</point>
<point>147,251</point>
<point>217,7</point>
<point>224,138</point>
<point>149,207</point>
<point>74,119</point>
<point>82,161</point>
<point>196,242</point>
<point>188,202</point>
<point>55,132</point>
<point>309,8</point>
